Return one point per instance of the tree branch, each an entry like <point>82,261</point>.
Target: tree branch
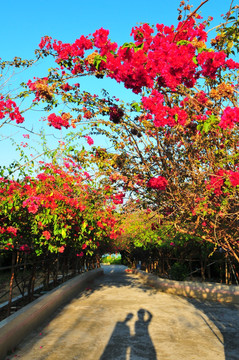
<point>189,16</point>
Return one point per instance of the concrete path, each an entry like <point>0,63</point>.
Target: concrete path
<point>120,318</point>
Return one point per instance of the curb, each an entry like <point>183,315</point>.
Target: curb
<point>203,291</point>
<point>19,325</point>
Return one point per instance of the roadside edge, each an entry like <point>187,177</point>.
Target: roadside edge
<point>205,291</point>
<point>17,326</point>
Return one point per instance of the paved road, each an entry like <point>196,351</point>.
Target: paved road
<point>120,318</point>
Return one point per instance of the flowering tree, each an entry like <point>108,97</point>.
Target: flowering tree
<point>160,248</point>
<point>176,145</point>
<point>59,208</point>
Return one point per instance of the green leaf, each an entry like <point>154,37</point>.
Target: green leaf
<point>195,60</point>
<point>139,47</point>
<point>183,42</point>
<point>98,59</point>
<point>136,106</point>
<point>206,127</point>
<point>200,50</point>
<point>132,45</point>
<point>128,45</point>
<point>63,233</point>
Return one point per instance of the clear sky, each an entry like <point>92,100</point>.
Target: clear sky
<point>23,23</point>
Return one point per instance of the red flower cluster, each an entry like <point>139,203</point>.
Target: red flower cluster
<point>163,115</point>
<point>234,178</point>
<point>158,183</point>
<point>162,56</point>
<point>217,181</point>
<point>46,234</point>
<point>231,64</point>
<point>64,51</point>
<point>165,57</point>
<point>211,62</point>
<point>9,108</point>
<point>32,203</point>
<point>151,56</point>
<point>118,198</point>
<point>229,117</point>
<point>45,42</point>
<point>90,141</point>
<point>101,41</point>
<point>25,248</point>
<point>58,121</point>
<point>61,249</point>
<point>12,230</point>
<point>66,87</point>
<point>81,254</point>
<point>169,55</point>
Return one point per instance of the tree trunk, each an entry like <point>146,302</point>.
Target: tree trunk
<point>202,269</point>
<point>11,282</point>
<point>33,280</point>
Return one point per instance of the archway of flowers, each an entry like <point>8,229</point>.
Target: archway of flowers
<point>174,149</point>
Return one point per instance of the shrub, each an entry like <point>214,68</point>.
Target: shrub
<point>178,271</point>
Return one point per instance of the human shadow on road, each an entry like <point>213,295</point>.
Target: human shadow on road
<point>141,343</point>
<point>138,345</point>
<point>226,319</point>
<point>119,341</point>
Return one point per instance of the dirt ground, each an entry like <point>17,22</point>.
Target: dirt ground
<point>119,318</point>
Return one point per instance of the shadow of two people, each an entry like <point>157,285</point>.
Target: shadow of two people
<point>122,342</point>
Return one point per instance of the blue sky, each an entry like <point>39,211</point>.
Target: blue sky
<point>23,23</point>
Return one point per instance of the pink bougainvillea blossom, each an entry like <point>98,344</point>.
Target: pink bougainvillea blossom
<point>61,249</point>
<point>229,117</point>
<point>118,198</point>
<point>158,183</point>
<point>234,178</point>
<point>12,230</point>
<point>80,254</point>
<point>10,109</point>
<point>57,121</point>
<point>90,141</point>
<point>46,234</point>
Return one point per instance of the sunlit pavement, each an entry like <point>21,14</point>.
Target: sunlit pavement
<point>119,318</point>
